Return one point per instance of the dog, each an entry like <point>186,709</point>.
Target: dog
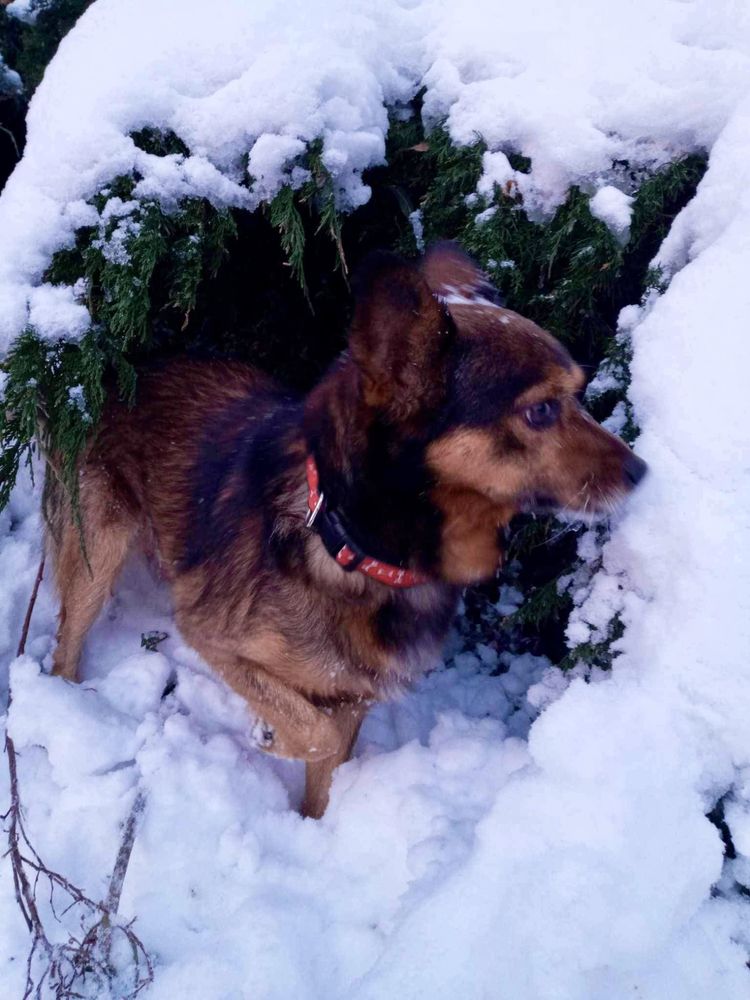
<point>316,547</point>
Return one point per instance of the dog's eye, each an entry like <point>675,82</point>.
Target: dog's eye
<point>542,415</point>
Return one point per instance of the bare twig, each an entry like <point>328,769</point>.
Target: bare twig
<point>123,855</point>
<point>30,611</point>
<point>24,893</point>
<point>10,135</point>
<point>61,971</point>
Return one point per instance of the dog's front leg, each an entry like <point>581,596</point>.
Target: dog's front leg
<point>318,774</point>
<point>291,725</point>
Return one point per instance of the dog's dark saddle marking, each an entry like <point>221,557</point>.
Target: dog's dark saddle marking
<point>241,462</point>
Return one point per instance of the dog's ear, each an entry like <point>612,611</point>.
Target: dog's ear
<point>399,335</point>
<point>453,275</point>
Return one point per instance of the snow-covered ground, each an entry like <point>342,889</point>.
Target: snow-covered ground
<point>463,855</point>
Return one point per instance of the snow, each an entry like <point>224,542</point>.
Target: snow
<point>23,10</point>
<point>10,81</point>
<point>248,86</point>
<point>242,82</point>
<point>513,834</point>
<point>576,86</point>
<point>613,207</point>
<point>417,226</point>
<point>56,314</point>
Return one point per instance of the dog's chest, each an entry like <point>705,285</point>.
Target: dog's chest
<point>355,651</point>
<point>408,630</point>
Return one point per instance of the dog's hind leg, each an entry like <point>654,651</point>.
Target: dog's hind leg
<point>85,580</point>
<point>318,774</point>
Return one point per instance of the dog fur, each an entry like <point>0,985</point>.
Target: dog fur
<point>447,415</point>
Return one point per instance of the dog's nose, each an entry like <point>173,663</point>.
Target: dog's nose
<point>633,470</point>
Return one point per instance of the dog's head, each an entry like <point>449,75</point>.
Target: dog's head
<point>493,396</point>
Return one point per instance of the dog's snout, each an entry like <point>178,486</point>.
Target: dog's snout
<point>633,470</point>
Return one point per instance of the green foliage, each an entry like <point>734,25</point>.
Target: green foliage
<point>320,192</point>
<point>56,391</point>
<point>570,274</point>
<point>543,606</point>
<point>595,654</point>
<point>139,272</point>
<point>455,172</point>
<point>12,98</point>
<point>285,216</point>
<point>318,196</point>
<point>426,172</point>
<point>54,394</point>
<point>199,279</point>
<point>27,47</point>
<point>657,201</point>
<point>11,31</point>
<point>158,143</point>
<point>30,46</point>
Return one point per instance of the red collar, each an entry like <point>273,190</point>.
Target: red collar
<point>336,540</point>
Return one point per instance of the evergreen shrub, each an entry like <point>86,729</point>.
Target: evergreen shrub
<point>271,287</point>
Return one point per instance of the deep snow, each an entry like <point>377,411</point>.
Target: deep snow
<point>458,857</point>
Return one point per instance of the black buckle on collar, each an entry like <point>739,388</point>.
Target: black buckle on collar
<point>327,524</point>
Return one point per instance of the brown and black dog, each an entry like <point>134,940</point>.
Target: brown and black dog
<point>316,547</point>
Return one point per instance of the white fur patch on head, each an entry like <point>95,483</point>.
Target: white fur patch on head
<point>450,295</point>
<point>455,278</point>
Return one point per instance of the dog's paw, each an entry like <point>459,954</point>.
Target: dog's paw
<point>312,742</point>
<point>263,736</point>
